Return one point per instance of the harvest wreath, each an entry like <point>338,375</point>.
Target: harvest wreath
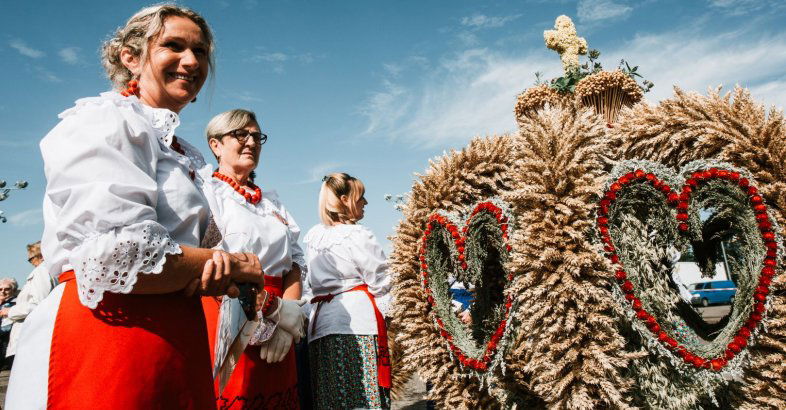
<point>476,253</point>
<point>681,203</point>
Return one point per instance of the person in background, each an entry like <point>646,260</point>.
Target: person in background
<point>348,276</point>
<point>37,286</point>
<point>254,220</point>
<point>8,288</point>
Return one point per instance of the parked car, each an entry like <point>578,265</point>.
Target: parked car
<point>709,293</point>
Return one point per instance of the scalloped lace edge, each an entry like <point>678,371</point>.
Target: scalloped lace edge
<point>91,292</point>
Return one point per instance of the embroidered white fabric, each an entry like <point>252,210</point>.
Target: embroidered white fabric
<point>266,229</point>
<point>340,258</point>
<point>118,198</point>
<point>111,261</point>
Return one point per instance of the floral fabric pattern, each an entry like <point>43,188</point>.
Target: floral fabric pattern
<point>344,373</point>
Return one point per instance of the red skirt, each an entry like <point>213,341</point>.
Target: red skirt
<point>130,352</point>
<point>255,384</point>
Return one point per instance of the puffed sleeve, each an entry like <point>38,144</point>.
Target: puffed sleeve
<point>370,260</point>
<point>101,186</point>
<point>298,256</point>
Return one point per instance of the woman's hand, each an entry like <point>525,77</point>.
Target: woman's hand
<point>216,278</point>
<point>276,349</point>
<point>245,267</point>
<point>290,317</point>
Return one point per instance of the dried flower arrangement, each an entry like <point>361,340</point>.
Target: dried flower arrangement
<point>606,91</point>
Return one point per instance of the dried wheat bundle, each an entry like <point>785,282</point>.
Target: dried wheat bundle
<point>453,182</point>
<point>536,98</point>
<point>608,92</point>
<point>569,350</point>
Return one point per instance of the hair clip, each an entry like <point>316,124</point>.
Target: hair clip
<point>325,178</point>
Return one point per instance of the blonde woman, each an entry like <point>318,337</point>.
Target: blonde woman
<point>347,274</point>
<point>123,217</point>
<point>254,220</point>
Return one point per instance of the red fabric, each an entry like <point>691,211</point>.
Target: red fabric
<point>383,353</point>
<point>256,384</point>
<point>131,352</point>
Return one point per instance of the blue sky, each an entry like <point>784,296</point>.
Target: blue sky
<point>368,87</point>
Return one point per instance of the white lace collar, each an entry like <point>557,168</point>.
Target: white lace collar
<point>322,237</point>
<point>163,120</point>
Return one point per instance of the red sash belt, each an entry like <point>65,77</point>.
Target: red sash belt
<point>66,276</point>
<point>274,285</point>
<point>383,354</point>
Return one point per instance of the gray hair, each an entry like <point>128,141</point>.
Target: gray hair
<point>12,282</point>
<point>143,26</point>
<point>227,122</point>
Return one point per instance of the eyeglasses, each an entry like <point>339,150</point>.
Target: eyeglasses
<point>6,289</point>
<point>242,135</point>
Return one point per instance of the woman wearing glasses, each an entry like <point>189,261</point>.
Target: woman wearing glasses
<point>253,220</point>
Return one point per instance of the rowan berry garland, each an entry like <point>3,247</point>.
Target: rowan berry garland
<point>628,236</point>
<point>477,244</point>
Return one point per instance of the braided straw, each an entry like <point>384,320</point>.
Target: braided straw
<point>608,92</point>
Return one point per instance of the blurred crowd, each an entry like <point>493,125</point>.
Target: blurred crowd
<point>16,303</point>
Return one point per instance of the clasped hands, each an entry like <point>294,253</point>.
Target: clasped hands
<point>221,273</point>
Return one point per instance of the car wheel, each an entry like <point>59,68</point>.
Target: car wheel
<point>705,302</point>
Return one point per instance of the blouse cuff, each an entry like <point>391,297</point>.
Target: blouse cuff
<point>111,261</point>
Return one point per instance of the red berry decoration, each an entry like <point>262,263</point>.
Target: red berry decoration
<point>681,200</point>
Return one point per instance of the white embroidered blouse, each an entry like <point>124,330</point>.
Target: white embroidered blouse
<point>119,198</point>
<point>265,229</point>
<point>340,258</point>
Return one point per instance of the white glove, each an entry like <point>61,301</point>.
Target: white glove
<point>290,317</point>
<point>276,349</point>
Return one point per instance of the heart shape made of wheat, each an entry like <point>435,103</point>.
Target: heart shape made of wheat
<point>640,212</point>
<point>472,250</point>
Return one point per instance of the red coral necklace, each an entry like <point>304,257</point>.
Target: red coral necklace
<point>253,198</point>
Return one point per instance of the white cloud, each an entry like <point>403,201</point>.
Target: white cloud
<point>467,38</point>
<point>30,217</point>
<point>246,96</point>
<point>46,75</point>
<point>385,108</point>
<point>393,69</point>
<point>741,7</point>
<point>694,60</point>
<point>474,92</point>
<point>468,94</point>
<point>278,59</point>
<point>596,10</point>
<point>70,55</point>
<point>318,171</point>
<point>771,92</point>
<point>25,50</point>
<point>271,57</point>
<point>482,21</point>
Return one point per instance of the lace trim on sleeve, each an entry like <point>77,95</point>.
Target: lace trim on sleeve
<point>111,261</point>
